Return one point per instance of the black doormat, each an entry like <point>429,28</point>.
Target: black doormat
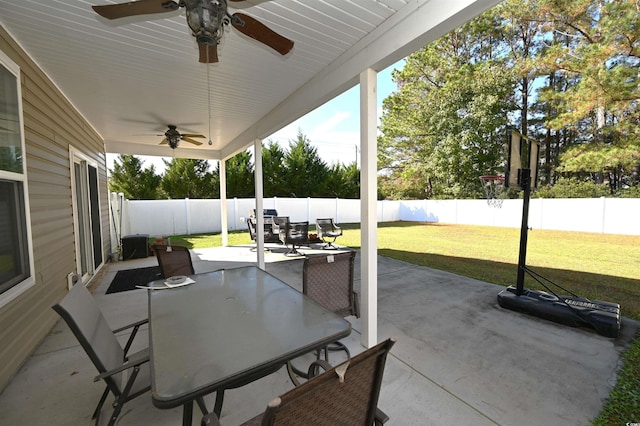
<point>130,278</point>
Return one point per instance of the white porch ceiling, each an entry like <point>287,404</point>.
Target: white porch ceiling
<point>132,77</point>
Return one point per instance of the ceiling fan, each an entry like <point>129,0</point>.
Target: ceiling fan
<point>206,19</point>
<point>173,137</point>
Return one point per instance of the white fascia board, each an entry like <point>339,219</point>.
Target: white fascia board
<point>118,147</point>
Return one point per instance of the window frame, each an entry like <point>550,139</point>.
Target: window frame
<point>22,286</point>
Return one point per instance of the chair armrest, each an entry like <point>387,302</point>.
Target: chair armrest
<point>134,360</point>
<point>135,326</point>
<point>132,325</point>
<point>210,420</point>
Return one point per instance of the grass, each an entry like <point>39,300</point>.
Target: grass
<point>597,266</point>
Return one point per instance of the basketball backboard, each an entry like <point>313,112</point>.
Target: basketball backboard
<point>521,151</point>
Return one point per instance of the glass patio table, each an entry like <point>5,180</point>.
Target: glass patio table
<point>227,329</point>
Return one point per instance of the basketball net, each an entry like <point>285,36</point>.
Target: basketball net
<point>493,187</point>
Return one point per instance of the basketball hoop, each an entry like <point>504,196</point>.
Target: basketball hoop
<point>494,189</point>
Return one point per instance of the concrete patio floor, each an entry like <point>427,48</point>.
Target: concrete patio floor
<point>460,358</point>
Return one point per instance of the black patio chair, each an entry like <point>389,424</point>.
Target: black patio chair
<point>326,229</point>
<point>268,232</point>
<point>328,280</point>
<point>294,233</point>
<point>83,316</point>
<point>173,260</point>
<point>279,222</point>
<point>346,395</point>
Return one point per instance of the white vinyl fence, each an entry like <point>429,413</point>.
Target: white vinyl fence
<point>176,217</point>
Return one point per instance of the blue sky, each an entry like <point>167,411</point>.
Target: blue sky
<point>333,128</point>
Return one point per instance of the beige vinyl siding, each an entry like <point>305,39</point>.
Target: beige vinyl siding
<point>51,125</point>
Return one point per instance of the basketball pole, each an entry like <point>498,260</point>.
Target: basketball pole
<point>525,183</point>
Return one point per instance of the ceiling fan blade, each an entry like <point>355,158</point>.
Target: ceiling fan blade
<point>208,53</point>
<point>140,7</point>
<point>193,141</point>
<point>164,142</point>
<point>259,31</point>
<point>192,135</point>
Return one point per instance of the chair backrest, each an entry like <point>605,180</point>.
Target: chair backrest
<point>328,400</point>
<point>83,316</point>
<point>252,228</point>
<point>268,228</point>
<point>279,222</point>
<point>328,279</point>
<point>294,232</point>
<point>176,261</point>
<point>325,225</point>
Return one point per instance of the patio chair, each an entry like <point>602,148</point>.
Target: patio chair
<point>268,231</point>
<point>279,222</point>
<point>173,260</point>
<point>326,229</point>
<point>83,316</point>
<point>294,233</point>
<point>345,395</point>
<point>328,280</point>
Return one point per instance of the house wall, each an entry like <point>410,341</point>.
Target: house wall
<point>51,125</point>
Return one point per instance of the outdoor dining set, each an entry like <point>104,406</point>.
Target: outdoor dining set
<point>279,229</point>
<point>216,331</point>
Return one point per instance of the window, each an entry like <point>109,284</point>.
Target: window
<point>16,260</point>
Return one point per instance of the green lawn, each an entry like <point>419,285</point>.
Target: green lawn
<point>597,266</point>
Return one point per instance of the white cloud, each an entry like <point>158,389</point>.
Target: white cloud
<point>332,122</point>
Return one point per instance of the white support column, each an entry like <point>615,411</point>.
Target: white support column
<point>259,182</point>
<point>223,204</point>
<point>368,201</point>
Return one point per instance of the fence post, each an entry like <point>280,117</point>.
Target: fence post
<point>604,214</point>
<point>187,216</point>
<point>455,210</point>
<point>235,213</point>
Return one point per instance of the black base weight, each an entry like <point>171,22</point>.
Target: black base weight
<point>573,311</point>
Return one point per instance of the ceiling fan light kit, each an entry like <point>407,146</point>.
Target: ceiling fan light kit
<point>207,18</point>
<point>172,137</point>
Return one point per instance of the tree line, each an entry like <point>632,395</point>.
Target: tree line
<point>294,172</point>
<point>562,72</point>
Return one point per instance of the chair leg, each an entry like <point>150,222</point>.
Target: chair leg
<point>103,398</point>
<point>293,251</point>
<point>337,346</point>
<point>294,373</point>
<point>124,396</point>
<point>328,245</point>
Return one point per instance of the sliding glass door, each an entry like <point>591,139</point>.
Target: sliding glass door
<point>86,210</point>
